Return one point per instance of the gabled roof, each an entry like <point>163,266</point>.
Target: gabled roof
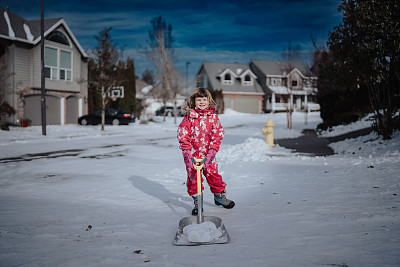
<point>281,68</point>
<point>215,69</point>
<point>14,27</point>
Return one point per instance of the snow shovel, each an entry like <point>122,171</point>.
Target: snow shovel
<point>180,238</point>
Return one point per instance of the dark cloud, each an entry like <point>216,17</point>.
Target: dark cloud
<point>210,29</point>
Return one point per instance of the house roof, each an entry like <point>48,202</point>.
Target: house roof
<point>215,69</point>
<point>281,68</point>
<point>142,88</point>
<point>14,27</point>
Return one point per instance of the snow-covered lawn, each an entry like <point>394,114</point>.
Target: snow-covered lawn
<point>82,197</point>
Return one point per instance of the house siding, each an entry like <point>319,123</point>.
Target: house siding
<point>68,86</point>
<point>22,66</point>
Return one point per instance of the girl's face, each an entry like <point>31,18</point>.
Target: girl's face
<point>201,103</point>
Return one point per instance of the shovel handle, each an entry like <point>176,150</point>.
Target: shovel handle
<point>198,169</point>
<point>199,193</point>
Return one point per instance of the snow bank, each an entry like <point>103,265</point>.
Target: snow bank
<point>370,146</point>
<point>231,112</point>
<point>128,184</point>
<point>354,126</point>
<point>252,149</point>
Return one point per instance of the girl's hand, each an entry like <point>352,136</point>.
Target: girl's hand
<point>210,157</point>
<point>187,155</point>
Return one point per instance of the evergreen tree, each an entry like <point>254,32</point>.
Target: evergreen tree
<point>365,57</point>
<point>126,78</point>
<point>107,70</point>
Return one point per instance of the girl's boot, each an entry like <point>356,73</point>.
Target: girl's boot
<point>220,199</point>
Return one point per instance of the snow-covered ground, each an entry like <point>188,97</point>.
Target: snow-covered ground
<point>82,197</point>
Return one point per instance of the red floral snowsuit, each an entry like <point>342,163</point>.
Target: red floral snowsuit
<point>198,132</point>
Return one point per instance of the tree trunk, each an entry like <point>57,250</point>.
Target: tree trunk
<point>103,108</point>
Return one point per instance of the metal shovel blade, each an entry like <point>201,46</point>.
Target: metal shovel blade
<point>182,240</point>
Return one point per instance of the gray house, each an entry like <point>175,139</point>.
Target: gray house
<point>66,70</point>
<point>286,83</point>
<point>240,89</point>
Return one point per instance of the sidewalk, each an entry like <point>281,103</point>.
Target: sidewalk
<point>311,143</point>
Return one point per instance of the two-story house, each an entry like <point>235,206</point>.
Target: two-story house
<point>261,86</point>
<point>286,83</point>
<point>240,89</point>
<point>66,70</point>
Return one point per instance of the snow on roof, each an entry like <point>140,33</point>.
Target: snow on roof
<point>28,32</point>
<point>146,90</point>
<point>279,89</point>
<point>16,28</point>
<point>10,30</point>
<point>284,90</point>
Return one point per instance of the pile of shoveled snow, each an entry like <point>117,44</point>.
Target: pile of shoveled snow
<point>253,149</point>
<point>203,232</point>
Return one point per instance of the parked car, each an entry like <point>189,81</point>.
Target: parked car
<point>169,111</point>
<point>113,116</point>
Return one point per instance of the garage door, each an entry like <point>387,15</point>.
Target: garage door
<point>72,109</point>
<point>227,102</point>
<point>247,104</point>
<point>32,109</point>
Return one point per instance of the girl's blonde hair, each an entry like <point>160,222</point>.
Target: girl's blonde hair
<point>202,92</point>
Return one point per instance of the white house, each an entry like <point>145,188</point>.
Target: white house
<point>286,83</point>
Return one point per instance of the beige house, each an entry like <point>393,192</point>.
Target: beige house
<point>240,89</point>
<point>66,70</point>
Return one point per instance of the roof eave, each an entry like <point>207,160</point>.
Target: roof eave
<point>52,28</point>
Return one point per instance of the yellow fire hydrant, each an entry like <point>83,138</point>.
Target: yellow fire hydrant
<point>268,131</point>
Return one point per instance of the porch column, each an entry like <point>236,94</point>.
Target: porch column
<point>305,103</point>
<point>62,111</point>
<point>273,101</point>
<point>291,103</point>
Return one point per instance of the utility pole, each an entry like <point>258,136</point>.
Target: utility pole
<point>187,67</point>
<point>42,98</point>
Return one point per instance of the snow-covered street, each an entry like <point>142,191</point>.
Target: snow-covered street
<point>82,197</point>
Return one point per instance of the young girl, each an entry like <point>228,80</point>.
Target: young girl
<point>200,134</point>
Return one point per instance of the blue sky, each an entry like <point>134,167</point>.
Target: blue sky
<point>204,30</point>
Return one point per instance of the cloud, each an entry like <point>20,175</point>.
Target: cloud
<point>207,30</point>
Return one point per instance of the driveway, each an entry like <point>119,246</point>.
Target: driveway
<point>315,145</point>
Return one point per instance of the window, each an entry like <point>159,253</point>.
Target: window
<point>247,80</point>
<point>58,37</point>
<point>276,81</point>
<point>307,83</point>
<point>227,79</point>
<point>58,64</point>
<point>50,62</point>
<point>295,81</point>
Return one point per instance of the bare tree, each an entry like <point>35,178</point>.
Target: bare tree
<point>290,56</point>
<point>161,54</point>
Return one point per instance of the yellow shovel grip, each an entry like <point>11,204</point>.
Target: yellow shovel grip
<point>198,168</point>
